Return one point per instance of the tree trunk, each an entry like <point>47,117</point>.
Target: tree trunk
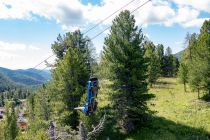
<point>151,85</point>
<point>209,91</point>
<point>198,93</point>
<point>184,87</point>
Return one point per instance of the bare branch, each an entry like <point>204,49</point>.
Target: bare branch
<point>97,128</point>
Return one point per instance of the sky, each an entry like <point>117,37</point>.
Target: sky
<point>29,27</point>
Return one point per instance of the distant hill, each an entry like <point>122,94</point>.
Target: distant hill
<point>28,77</point>
<point>5,83</point>
<point>179,54</point>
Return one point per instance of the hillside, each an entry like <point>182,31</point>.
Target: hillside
<point>5,83</point>
<point>29,77</point>
<point>179,54</point>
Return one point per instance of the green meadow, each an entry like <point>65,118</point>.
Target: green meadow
<point>178,115</point>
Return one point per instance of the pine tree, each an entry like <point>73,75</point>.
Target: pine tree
<point>153,70</point>
<point>125,56</point>
<point>190,41</point>
<point>31,101</point>
<point>13,128</point>
<point>43,104</point>
<point>195,75</point>
<point>160,55</point>
<point>183,74</point>
<point>70,78</point>
<point>170,64</point>
<point>168,52</point>
<point>175,66</point>
<point>2,100</point>
<point>72,40</point>
<point>2,127</point>
<point>200,65</point>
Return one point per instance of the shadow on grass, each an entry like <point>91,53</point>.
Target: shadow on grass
<point>162,87</point>
<point>161,128</point>
<point>206,98</point>
<point>163,84</point>
<point>158,128</point>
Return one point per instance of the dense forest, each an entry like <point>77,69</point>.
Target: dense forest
<point>132,72</point>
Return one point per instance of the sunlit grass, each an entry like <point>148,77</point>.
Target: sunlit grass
<point>179,115</point>
<point>174,104</point>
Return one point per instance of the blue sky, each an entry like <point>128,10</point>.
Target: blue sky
<point>29,27</point>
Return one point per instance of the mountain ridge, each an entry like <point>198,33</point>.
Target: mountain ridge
<point>179,54</point>
<point>26,77</point>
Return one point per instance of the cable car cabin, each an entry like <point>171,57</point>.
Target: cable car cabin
<point>91,104</point>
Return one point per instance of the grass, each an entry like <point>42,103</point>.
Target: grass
<point>179,115</point>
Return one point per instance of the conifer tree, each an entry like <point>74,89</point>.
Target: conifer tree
<point>75,57</point>
<point>153,70</point>
<point>200,65</point>
<point>183,74</point>
<point>72,40</point>
<point>13,128</point>
<point>70,78</point>
<point>170,64</point>
<point>125,56</point>
<point>43,104</point>
<point>160,55</point>
<point>195,75</point>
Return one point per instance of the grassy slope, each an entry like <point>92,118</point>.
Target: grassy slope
<point>179,115</point>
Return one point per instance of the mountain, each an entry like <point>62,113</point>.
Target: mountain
<point>28,77</point>
<point>179,55</point>
<point>5,83</point>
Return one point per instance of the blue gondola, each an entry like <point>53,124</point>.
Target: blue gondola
<point>92,91</point>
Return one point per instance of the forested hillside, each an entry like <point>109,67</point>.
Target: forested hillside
<point>29,77</point>
<point>5,83</point>
<point>179,55</point>
<point>135,90</point>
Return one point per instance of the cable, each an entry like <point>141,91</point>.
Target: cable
<point>140,6</point>
<point>108,17</point>
<point>93,27</point>
<point>110,26</point>
<point>100,23</point>
<point>43,61</point>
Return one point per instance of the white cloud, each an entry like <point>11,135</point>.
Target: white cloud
<point>33,48</point>
<point>14,47</point>
<point>19,55</point>
<point>186,14</point>
<point>179,42</point>
<point>73,14</point>
<point>6,55</point>
<point>5,46</point>
<point>201,5</point>
<point>155,13</point>
<point>195,22</point>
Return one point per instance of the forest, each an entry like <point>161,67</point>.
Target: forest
<point>145,92</point>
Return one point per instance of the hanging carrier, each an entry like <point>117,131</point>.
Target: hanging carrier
<point>91,104</point>
<point>92,91</point>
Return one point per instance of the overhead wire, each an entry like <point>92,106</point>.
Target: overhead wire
<point>98,25</point>
<point>108,16</point>
<point>110,26</point>
<point>92,28</point>
<point>105,28</point>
